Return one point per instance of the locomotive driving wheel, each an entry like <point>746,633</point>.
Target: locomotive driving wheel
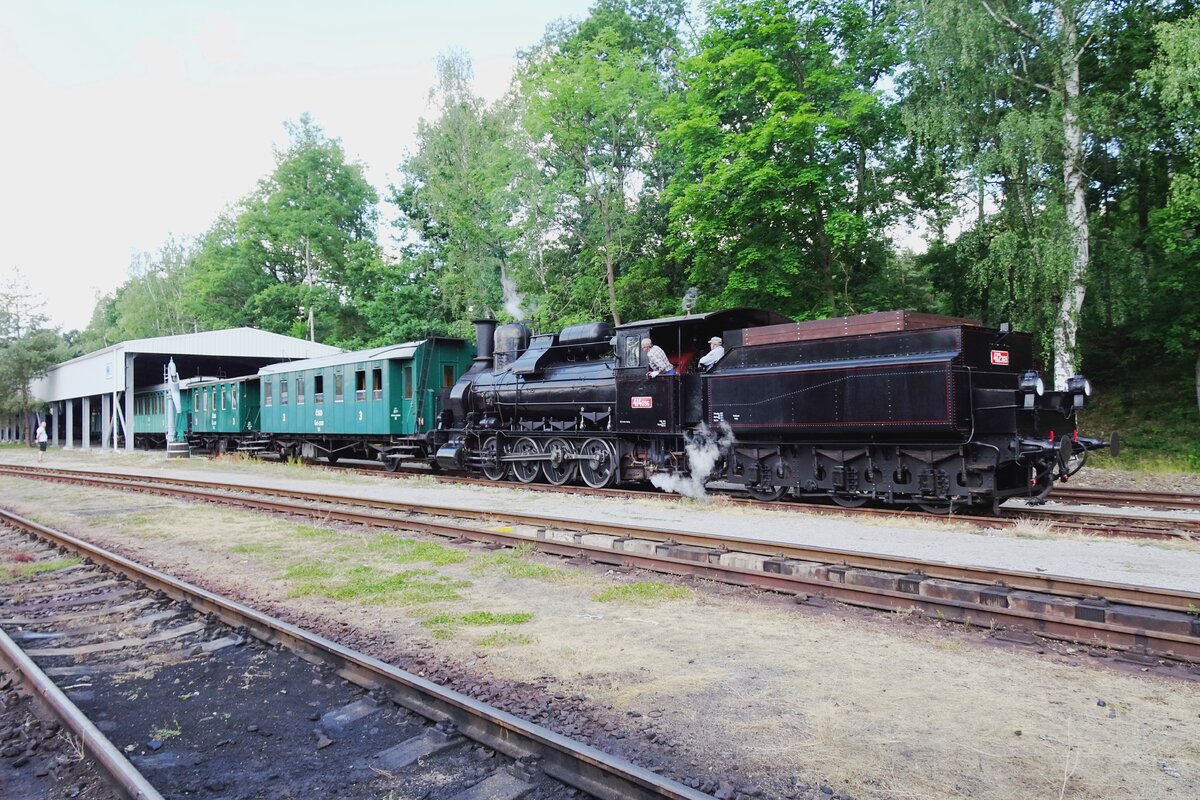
<point>599,467</point>
<point>849,500</point>
<point>527,468</point>
<point>490,464</point>
<point>766,494</point>
<point>560,468</point>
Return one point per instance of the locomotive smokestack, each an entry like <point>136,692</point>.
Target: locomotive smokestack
<point>485,342</point>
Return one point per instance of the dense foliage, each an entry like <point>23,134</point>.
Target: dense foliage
<point>770,154</point>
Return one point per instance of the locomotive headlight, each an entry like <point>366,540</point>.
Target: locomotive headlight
<point>1031,383</point>
<point>1080,388</point>
<point>1031,387</point>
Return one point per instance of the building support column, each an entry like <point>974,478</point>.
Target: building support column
<point>54,422</point>
<point>85,438</point>
<point>106,426</point>
<point>127,424</point>
<point>70,404</point>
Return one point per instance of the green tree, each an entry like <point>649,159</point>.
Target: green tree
<point>150,303</point>
<point>27,349</point>
<point>784,137</point>
<point>1002,82</point>
<point>1174,321</point>
<point>591,91</point>
<point>462,195</point>
<point>300,255</point>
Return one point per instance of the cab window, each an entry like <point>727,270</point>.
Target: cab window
<point>633,351</point>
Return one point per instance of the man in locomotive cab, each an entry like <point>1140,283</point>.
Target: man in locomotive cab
<point>657,358</point>
<point>716,351</point>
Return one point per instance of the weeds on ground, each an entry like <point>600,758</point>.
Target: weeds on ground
<point>501,639</point>
<point>366,584</point>
<point>644,593</point>
<point>518,563</point>
<point>14,571</point>
<point>405,551</point>
<point>163,733</point>
<point>445,626</point>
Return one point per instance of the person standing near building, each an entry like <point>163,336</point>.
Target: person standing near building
<point>42,439</point>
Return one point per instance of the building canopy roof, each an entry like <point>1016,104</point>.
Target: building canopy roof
<point>390,352</point>
<point>234,351</point>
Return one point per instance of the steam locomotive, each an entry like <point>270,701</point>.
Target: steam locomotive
<point>894,407</point>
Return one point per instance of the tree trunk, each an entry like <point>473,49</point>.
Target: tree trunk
<point>1198,377</point>
<point>611,269</point>
<point>1067,324</point>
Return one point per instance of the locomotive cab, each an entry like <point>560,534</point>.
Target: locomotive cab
<point>672,403</point>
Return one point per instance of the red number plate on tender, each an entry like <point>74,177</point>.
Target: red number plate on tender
<point>1000,357</point>
<point>641,402</point>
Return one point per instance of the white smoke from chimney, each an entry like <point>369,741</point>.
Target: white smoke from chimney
<point>689,299</point>
<point>513,304</point>
<point>704,448</point>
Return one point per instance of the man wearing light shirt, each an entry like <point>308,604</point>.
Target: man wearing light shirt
<point>716,349</point>
<point>659,363</point>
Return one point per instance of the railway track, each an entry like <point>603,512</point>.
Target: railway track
<point>1087,522</point>
<point>266,707</point>
<point>1128,498</point>
<point>1143,622</point>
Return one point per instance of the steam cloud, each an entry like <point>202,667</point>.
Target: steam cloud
<point>704,448</point>
<point>689,299</point>
<point>513,304</point>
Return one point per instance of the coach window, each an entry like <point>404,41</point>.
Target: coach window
<point>360,385</point>
<point>339,389</point>
<point>377,384</point>
<point>283,392</point>
<point>318,389</point>
<point>633,351</point>
<point>224,398</point>
<point>447,376</point>
<point>233,393</point>
<point>408,389</point>
<point>300,390</point>
<point>266,394</point>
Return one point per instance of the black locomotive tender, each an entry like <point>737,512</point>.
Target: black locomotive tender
<point>895,407</point>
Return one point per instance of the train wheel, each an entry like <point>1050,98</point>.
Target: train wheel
<point>491,467</point>
<point>390,464</point>
<point>599,468</point>
<point>849,500</point>
<point>560,468</point>
<point>767,494</point>
<point>529,467</point>
<point>940,508</point>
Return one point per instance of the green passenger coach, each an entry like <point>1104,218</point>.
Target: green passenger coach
<point>151,409</point>
<point>376,404</point>
<point>223,409</point>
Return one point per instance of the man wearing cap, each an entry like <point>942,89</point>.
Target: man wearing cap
<point>715,351</point>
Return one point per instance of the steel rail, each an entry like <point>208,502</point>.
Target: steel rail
<point>1146,596</point>
<point>584,767</point>
<point>1087,523</point>
<point>1127,497</point>
<point>115,768</point>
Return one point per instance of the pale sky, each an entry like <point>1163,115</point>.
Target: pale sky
<point>124,123</point>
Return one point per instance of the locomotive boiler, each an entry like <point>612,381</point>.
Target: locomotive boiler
<point>893,407</point>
